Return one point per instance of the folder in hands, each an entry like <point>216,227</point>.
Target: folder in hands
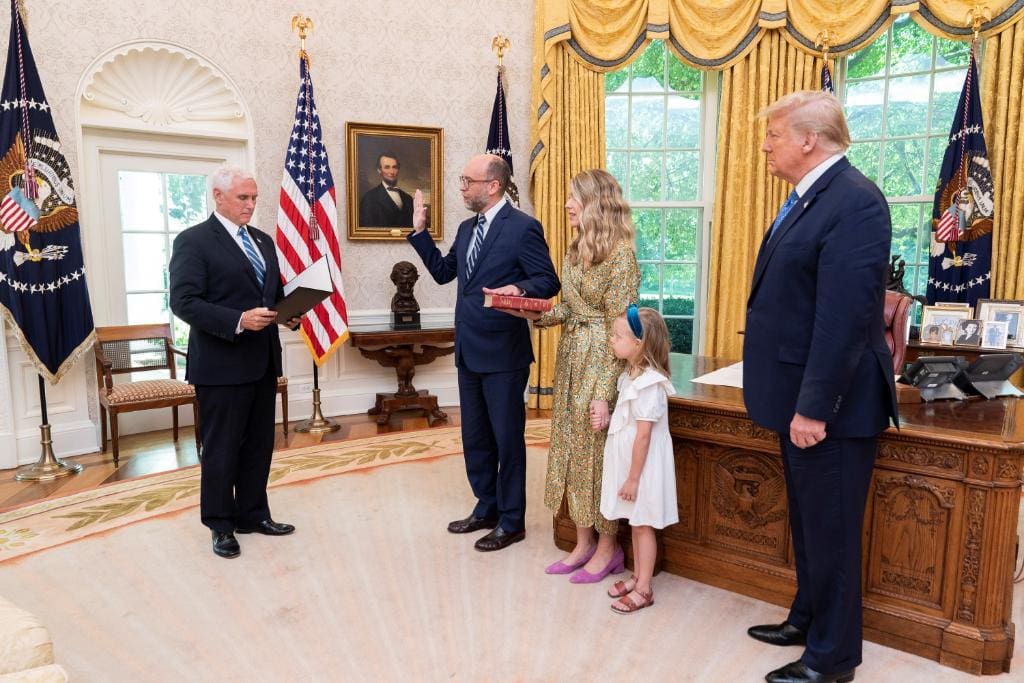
<point>305,290</point>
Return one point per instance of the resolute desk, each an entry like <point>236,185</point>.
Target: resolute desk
<point>940,529</point>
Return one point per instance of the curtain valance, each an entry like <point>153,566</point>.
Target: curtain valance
<point>606,34</point>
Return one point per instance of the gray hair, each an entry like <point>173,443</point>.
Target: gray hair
<point>224,176</point>
<point>813,111</point>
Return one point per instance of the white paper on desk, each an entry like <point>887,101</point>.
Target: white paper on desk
<point>729,376</point>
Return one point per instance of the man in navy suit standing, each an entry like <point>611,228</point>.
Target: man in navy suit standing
<point>224,277</point>
<point>500,250</point>
<point>817,370</point>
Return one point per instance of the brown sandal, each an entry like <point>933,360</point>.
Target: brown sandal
<point>630,605</point>
<point>621,588</point>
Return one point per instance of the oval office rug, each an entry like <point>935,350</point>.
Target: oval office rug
<point>370,587</point>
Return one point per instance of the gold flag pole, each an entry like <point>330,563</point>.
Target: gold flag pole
<point>499,44</point>
<point>824,42</point>
<point>976,16</point>
<point>317,423</point>
<point>48,467</point>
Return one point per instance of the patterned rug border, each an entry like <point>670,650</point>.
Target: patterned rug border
<point>45,524</point>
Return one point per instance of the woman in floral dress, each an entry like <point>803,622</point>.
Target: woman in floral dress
<point>600,278</point>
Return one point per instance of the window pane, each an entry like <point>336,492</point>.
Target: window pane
<point>953,52</point>
<point>908,105</point>
<point>680,330</point>
<point>924,233</point>
<point>648,122</point>
<point>680,286</point>
<point>618,166</point>
<point>904,168</point>
<point>616,118</point>
<point>648,234</point>
<point>682,77</point>
<point>682,175</point>
<point>142,200</point>
<point>648,71</point>
<point>911,46</point>
<point>870,61</point>
<point>145,262</point>
<point>684,121</point>
<point>946,96</point>
<point>616,81</point>
<point>645,176</point>
<point>905,218</point>
<point>864,109</point>
<point>148,308</point>
<point>865,156</point>
<point>681,234</point>
<point>650,282</point>
<point>186,200</point>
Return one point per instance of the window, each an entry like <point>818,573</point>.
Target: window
<point>154,208</point>
<point>656,122</point>
<point>900,96</point>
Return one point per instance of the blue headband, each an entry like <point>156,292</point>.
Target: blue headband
<point>633,318</point>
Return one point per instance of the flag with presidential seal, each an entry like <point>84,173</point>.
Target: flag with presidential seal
<point>42,275</point>
<point>960,259</point>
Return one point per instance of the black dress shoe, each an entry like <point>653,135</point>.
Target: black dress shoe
<point>778,634</point>
<point>225,544</point>
<point>498,539</point>
<point>471,523</point>
<point>267,527</point>
<point>798,672</point>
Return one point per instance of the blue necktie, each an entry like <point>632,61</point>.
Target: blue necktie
<point>250,251</point>
<point>478,240</point>
<point>789,204</point>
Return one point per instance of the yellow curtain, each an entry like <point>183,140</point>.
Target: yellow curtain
<point>765,49</point>
<point>747,198</point>
<point>576,134</point>
<point>1002,92</point>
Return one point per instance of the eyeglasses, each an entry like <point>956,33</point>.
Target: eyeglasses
<point>466,181</point>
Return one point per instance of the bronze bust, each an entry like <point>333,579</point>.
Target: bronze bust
<point>404,275</point>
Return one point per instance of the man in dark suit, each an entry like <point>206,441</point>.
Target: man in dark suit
<point>816,369</point>
<point>386,206</point>
<point>500,250</point>
<point>224,277</point>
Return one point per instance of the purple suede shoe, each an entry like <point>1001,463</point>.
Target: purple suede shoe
<point>563,568</point>
<point>614,566</point>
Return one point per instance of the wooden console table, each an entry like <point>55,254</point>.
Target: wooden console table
<point>940,526</point>
<point>403,350</point>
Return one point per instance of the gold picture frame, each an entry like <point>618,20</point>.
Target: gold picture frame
<point>378,208</point>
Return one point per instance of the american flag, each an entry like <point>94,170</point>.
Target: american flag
<point>826,78</point>
<point>304,235</point>
<point>948,226</point>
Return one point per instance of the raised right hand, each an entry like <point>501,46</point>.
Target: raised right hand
<point>255,319</point>
<point>419,212</point>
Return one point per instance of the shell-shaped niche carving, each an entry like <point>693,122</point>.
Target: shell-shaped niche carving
<point>163,87</point>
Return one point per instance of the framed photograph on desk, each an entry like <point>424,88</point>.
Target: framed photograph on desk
<point>1008,311</point>
<point>993,334</point>
<point>940,324</point>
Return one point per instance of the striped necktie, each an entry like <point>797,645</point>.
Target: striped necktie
<point>784,211</point>
<point>250,252</point>
<point>478,240</point>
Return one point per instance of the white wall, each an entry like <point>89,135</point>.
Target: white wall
<point>411,62</point>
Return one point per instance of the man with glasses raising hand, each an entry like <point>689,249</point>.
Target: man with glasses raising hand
<point>500,250</point>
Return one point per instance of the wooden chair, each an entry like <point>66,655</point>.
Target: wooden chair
<point>139,348</point>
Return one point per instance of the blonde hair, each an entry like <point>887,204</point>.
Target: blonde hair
<point>604,221</point>
<point>655,343</point>
<point>813,111</point>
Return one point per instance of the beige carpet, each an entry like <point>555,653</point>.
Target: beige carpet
<point>372,588</point>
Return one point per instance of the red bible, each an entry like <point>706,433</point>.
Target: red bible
<point>516,302</point>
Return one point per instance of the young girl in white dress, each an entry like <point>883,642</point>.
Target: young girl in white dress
<point>639,481</point>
